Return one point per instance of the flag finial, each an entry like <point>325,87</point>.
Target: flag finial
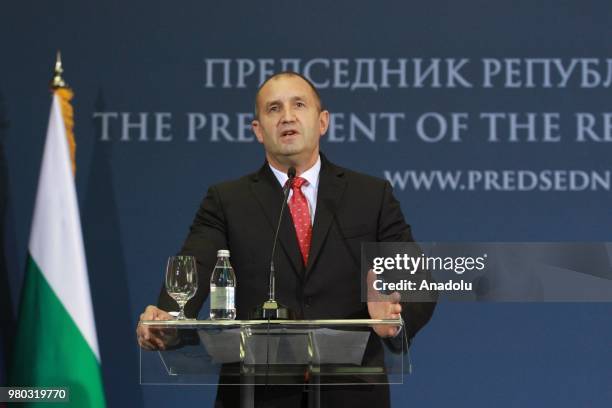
<point>57,81</point>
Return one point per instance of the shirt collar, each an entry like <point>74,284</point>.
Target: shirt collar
<point>311,175</point>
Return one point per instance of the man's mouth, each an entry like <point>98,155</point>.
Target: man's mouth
<point>289,132</point>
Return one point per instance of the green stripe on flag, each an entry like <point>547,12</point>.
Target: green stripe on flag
<point>49,348</point>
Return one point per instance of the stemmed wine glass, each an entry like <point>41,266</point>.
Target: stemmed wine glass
<point>181,280</point>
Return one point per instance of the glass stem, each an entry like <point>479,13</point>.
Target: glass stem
<point>181,315</point>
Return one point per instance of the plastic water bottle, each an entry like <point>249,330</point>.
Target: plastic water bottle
<point>223,288</point>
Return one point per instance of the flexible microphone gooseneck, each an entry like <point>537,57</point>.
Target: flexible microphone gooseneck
<point>286,189</point>
<point>271,309</point>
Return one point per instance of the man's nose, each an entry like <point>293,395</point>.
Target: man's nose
<point>288,115</point>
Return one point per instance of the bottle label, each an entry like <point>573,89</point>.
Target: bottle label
<point>221,298</point>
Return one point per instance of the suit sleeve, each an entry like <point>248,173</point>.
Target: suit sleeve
<point>393,228</point>
<point>207,234</point>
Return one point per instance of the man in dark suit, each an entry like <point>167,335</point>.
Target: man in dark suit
<point>331,212</point>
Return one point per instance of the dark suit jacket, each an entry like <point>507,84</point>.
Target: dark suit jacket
<point>241,216</point>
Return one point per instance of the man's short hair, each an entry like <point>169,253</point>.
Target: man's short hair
<point>288,73</point>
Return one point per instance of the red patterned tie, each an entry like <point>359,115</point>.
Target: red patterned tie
<point>298,205</point>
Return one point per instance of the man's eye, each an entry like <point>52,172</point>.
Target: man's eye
<point>300,104</point>
<point>273,109</point>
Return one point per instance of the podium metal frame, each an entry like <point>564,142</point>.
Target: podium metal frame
<point>252,374</point>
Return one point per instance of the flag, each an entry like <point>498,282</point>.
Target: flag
<point>56,342</point>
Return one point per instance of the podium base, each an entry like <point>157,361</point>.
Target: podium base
<point>272,310</point>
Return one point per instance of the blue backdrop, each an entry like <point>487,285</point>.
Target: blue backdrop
<point>491,119</point>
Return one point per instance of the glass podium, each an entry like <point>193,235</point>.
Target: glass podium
<point>251,353</point>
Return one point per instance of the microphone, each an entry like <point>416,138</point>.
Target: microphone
<point>287,187</point>
<point>271,309</point>
<point>291,173</point>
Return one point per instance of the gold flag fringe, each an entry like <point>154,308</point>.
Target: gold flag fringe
<point>65,95</point>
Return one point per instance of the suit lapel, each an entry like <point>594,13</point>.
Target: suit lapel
<point>269,195</point>
<point>331,188</point>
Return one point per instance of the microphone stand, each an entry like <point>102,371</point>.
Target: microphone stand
<point>271,309</point>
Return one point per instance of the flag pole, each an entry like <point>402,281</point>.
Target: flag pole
<point>60,88</point>
<point>57,81</point>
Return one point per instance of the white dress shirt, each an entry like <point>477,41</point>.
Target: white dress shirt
<point>310,188</point>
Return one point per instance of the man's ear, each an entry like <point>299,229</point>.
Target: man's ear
<point>323,122</point>
<point>256,126</point>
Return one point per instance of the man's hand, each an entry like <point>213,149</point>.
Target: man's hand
<point>383,307</point>
<point>151,338</point>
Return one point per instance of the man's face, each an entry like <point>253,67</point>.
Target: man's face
<point>290,121</point>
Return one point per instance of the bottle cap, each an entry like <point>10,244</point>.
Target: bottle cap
<point>223,252</point>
